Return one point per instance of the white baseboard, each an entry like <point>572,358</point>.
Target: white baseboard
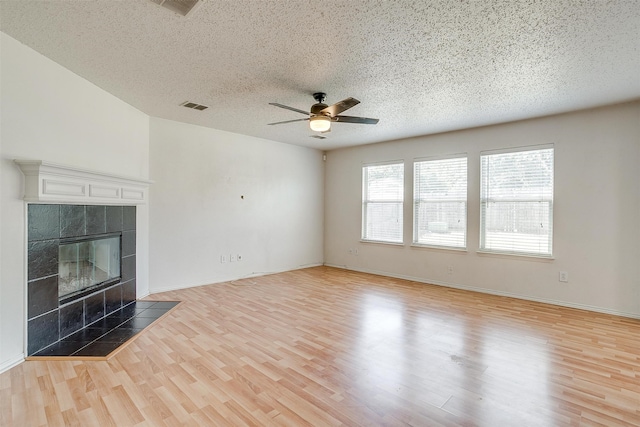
<point>492,292</point>
<point>10,363</point>
<point>248,276</point>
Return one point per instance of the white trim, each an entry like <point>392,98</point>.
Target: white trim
<point>130,194</point>
<point>25,282</point>
<point>440,248</point>
<point>11,362</point>
<point>493,292</point>
<point>47,182</point>
<point>61,188</point>
<point>104,191</point>
<point>418,201</point>
<point>366,200</point>
<point>525,255</point>
<point>248,276</point>
<point>546,146</point>
<point>442,157</point>
<point>382,242</point>
<point>384,163</point>
<point>486,200</point>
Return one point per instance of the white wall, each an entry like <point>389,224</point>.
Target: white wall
<point>5,360</point>
<point>49,113</point>
<point>596,213</point>
<point>198,213</point>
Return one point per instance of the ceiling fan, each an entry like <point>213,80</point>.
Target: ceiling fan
<point>321,114</point>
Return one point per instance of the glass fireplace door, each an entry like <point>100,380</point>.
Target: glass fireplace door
<point>87,263</point>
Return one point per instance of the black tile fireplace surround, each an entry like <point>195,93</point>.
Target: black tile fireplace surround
<point>49,320</point>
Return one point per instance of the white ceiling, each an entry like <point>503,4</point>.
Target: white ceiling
<point>419,66</point>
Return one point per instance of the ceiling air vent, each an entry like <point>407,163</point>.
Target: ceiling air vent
<point>194,106</point>
<point>181,7</point>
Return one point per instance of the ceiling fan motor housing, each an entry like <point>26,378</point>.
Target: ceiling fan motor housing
<point>316,108</point>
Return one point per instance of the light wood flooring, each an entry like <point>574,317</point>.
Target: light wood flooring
<point>327,347</point>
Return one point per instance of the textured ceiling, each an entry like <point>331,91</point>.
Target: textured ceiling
<point>420,66</point>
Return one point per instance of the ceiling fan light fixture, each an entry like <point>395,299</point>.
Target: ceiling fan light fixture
<point>321,115</point>
<point>320,123</point>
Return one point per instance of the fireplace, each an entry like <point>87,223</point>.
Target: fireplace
<point>67,205</point>
<point>87,264</point>
<point>81,267</point>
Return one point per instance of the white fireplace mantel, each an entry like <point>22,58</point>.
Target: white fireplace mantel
<point>47,182</point>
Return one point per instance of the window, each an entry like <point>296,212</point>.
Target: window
<point>440,202</point>
<point>516,202</point>
<point>382,202</point>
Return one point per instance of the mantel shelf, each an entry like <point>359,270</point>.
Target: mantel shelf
<point>47,182</point>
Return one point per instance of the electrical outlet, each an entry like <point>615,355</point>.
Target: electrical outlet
<point>450,270</point>
<point>563,276</point>
<point>232,258</point>
<point>350,251</point>
<point>223,259</point>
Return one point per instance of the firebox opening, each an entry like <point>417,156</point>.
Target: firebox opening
<point>87,264</point>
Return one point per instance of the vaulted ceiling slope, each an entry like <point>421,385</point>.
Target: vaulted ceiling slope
<point>420,66</point>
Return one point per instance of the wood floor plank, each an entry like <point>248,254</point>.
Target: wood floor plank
<point>329,347</point>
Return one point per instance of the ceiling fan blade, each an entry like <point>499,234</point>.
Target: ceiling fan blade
<point>286,107</point>
<point>288,121</point>
<point>339,107</point>
<point>351,119</point>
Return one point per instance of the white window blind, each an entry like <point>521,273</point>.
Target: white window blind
<point>382,202</point>
<point>440,202</point>
<point>516,202</point>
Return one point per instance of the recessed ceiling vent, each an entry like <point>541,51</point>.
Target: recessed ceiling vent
<point>194,106</point>
<point>181,7</point>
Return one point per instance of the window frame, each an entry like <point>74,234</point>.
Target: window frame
<point>484,201</point>
<point>416,202</point>
<point>366,201</point>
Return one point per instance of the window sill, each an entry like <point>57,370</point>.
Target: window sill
<point>530,257</point>
<point>382,242</point>
<point>440,248</point>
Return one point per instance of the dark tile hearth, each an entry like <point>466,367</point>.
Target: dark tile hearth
<point>106,335</point>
